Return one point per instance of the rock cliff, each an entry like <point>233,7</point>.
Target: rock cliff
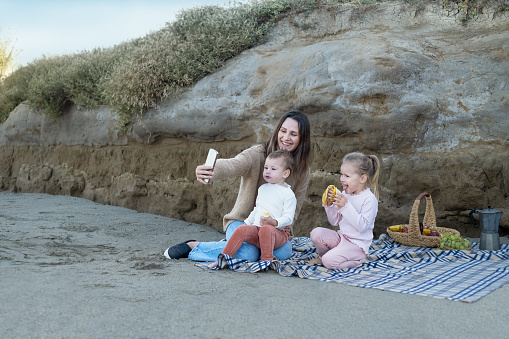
<point>419,88</point>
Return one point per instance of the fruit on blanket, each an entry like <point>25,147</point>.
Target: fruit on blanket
<point>324,196</point>
<point>454,241</point>
<point>397,228</point>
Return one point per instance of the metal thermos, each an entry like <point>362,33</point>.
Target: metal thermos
<point>488,219</point>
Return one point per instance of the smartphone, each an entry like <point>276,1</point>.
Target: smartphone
<point>211,160</point>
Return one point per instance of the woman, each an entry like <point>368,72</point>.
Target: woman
<point>293,133</point>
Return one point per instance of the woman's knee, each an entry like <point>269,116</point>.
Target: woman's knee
<point>284,252</point>
<point>232,227</point>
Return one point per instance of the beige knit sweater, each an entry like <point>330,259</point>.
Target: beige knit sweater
<point>249,166</point>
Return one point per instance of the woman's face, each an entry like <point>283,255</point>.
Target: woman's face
<point>288,137</point>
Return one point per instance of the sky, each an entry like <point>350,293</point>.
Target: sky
<point>37,28</point>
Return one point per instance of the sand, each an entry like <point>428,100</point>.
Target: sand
<point>72,268</point>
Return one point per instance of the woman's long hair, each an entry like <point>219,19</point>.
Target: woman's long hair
<point>301,154</point>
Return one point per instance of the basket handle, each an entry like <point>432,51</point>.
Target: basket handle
<point>423,194</point>
<point>429,220</point>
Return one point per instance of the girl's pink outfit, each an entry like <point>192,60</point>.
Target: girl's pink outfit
<point>349,246</point>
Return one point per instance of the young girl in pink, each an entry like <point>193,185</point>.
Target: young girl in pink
<point>353,210</point>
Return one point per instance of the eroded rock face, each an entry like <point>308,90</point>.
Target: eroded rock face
<point>426,94</point>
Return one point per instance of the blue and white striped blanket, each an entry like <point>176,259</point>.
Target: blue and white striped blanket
<point>452,274</point>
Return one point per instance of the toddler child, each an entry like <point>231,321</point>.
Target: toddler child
<point>354,211</point>
<point>273,211</point>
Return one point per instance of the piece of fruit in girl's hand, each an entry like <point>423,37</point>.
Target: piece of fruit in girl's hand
<point>324,196</point>
<point>266,214</point>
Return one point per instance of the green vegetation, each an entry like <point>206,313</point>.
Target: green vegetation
<point>134,76</point>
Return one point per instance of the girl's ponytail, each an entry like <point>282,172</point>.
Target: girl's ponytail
<point>373,180</point>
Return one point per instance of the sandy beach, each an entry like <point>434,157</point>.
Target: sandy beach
<point>72,268</point>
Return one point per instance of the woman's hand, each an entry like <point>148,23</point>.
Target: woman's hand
<point>204,172</point>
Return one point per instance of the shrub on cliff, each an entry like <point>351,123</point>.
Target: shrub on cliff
<point>12,93</point>
<point>134,76</point>
<point>196,44</point>
<point>51,84</point>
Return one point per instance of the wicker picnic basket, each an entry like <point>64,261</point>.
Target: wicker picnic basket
<point>414,236</point>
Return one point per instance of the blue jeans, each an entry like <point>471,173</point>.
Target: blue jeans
<point>209,251</point>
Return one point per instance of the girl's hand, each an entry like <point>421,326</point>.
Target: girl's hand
<point>340,201</point>
<point>330,196</point>
<point>268,221</point>
<point>204,172</point>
